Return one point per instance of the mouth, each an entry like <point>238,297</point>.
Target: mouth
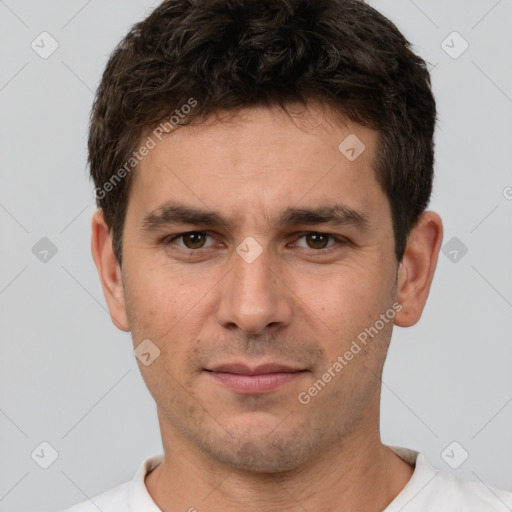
<point>245,379</point>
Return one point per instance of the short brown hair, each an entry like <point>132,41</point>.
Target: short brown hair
<point>231,54</point>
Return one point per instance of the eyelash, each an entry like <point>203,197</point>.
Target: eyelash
<point>340,241</point>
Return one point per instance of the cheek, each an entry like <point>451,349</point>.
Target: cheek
<point>346,300</point>
<point>157,304</point>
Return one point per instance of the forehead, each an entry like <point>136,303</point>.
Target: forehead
<point>262,160</point>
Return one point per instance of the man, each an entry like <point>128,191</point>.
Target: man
<point>262,172</point>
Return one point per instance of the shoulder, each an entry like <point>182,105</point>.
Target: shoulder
<point>131,495</point>
<point>438,490</point>
<point>458,493</point>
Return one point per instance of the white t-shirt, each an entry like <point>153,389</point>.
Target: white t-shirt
<point>428,490</point>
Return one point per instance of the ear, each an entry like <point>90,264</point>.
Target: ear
<point>416,270</point>
<point>109,271</point>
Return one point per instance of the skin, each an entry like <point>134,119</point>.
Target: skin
<point>297,303</point>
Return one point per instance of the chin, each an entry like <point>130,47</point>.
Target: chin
<point>268,452</point>
<point>251,458</point>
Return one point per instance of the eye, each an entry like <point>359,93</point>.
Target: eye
<point>192,240</point>
<point>196,241</point>
<point>317,241</point>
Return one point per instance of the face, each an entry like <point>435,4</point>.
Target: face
<point>253,301</point>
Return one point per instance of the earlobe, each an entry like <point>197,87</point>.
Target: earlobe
<point>416,270</point>
<point>109,271</point>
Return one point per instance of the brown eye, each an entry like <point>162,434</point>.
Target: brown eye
<point>317,240</point>
<point>194,240</point>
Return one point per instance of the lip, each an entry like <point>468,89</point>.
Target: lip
<point>262,369</point>
<point>260,379</point>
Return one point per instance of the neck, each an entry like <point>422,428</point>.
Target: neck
<point>358,473</point>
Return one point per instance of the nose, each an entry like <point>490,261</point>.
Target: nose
<point>254,297</point>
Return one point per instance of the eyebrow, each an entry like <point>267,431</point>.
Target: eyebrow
<point>173,213</point>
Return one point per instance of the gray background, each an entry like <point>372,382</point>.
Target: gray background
<point>69,377</point>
